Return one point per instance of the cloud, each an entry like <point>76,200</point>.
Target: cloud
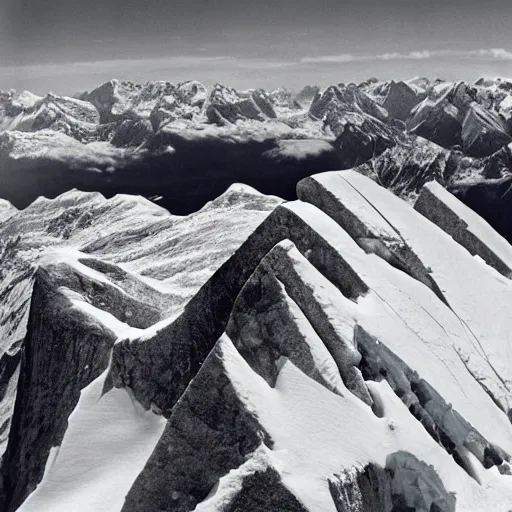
<point>91,67</point>
<point>494,54</point>
<point>123,67</point>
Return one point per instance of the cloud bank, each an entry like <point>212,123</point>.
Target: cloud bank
<point>244,72</point>
<point>493,54</point>
<point>116,66</point>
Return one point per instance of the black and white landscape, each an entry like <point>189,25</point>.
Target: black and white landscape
<point>184,144</point>
<point>216,300</point>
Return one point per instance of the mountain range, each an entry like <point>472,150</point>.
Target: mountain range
<point>256,301</point>
<point>191,142</point>
<point>346,351</point>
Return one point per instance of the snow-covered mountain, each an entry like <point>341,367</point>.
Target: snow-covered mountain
<point>426,106</point>
<point>347,351</point>
<point>104,139</point>
<point>127,256</point>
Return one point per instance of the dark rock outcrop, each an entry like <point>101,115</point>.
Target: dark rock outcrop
<point>208,433</point>
<point>251,499</point>
<point>491,199</point>
<point>400,100</point>
<point>433,208</point>
<point>437,121</point>
<point>482,133</point>
<point>360,137</point>
<point>405,168</point>
<point>405,484</point>
<point>64,351</point>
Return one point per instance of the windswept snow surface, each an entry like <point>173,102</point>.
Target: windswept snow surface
<point>429,319</point>
<point>406,317</point>
<point>478,296</point>
<point>173,255</point>
<point>475,224</point>
<point>7,210</point>
<point>109,438</point>
<point>342,432</point>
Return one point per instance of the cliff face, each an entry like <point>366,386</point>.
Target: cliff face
<point>74,271</point>
<point>351,354</point>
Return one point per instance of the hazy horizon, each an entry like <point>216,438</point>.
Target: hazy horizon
<point>70,45</point>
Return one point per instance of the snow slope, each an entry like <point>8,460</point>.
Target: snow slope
<point>109,438</point>
<point>169,254</point>
<point>465,226</point>
<point>349,355</point>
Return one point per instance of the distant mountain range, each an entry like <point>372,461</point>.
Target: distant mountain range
<point>475,118</point>
<point>226,350</point>
<point>190,142</point>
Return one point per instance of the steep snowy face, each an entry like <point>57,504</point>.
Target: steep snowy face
<point>116,254</point>
<point>29,113</point>
<point>124,100</point>
<point>226,105</point>
<point>13,104</point>
<point>340,359</point>
<point>348,98</point>
<point>7,210</point>
<point>113,98</point>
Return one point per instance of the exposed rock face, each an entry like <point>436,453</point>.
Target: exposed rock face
<point>367,490</point>
<point>63,239</point>
<point>491,199</point>
<point>400,100</point>
<point>349,98</point>
<point>251,498</point>
<point>339,360</point>
<point>185,101</point>
<point>63,352</point>
<point>226,105</point>
<point>438,121</point>
<point>307,94</point>
<point>119,100</point>
<point>404,484</point>
<point>359,137</point>
<point>482,133</point>
<point>210,418</point>
<point>466,227</point>
<point>129,133</point>
<point>405,168</point>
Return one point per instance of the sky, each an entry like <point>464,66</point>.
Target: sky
<point>67,46</point>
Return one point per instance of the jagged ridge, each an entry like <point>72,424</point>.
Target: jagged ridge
<point>334,326</point>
